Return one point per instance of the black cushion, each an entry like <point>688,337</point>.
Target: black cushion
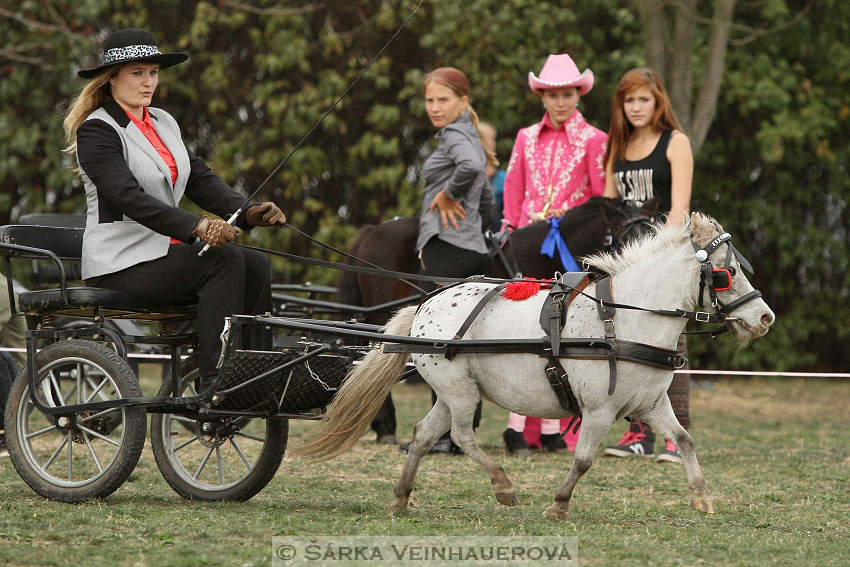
<point>82,300</point>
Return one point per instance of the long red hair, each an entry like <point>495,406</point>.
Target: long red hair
<point>663,119</point>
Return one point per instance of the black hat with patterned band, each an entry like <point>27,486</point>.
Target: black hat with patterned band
<point>132,44</point>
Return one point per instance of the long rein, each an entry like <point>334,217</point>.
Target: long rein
<point>720,316</point>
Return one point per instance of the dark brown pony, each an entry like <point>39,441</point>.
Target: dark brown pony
<point>597,224</point>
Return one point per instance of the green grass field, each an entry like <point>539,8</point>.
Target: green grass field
<point>776,454</point>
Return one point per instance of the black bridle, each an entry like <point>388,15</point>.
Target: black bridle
<point>716,280</point>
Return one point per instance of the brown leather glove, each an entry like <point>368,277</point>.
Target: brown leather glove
<point>214,232</point>
<point>265,214</point>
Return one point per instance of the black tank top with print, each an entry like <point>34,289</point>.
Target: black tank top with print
<point>642,179</point>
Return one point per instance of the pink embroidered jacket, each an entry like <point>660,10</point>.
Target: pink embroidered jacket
<point>563,166</point>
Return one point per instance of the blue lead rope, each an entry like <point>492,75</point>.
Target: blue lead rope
<point>555,240</point>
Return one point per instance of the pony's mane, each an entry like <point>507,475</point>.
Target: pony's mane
<point>653,243</point>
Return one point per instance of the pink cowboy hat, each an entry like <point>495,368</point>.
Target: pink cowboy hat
<point>560,72</point>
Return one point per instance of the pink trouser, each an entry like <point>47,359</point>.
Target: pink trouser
<point>532,427</point>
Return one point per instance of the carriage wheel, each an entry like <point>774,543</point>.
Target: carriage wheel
<point>87,454</point>
<point>229,458</point>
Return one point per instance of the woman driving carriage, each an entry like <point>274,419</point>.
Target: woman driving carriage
<point>555,164</point>
<point>649,156</point>
<point>136,169</point>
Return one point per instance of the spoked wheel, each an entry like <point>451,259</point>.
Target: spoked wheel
<point>215,459</point>
<point>75,457</point>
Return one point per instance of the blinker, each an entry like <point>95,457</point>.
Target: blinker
<point>721,280</point>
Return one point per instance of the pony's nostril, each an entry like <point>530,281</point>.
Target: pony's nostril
<point>767,319</point>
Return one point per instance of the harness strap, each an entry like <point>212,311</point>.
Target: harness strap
<point>560,383</point>
<point>604,293</point>
<point>474,313</point>
<point>553,315</point>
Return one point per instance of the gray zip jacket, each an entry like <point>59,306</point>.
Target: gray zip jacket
<point>457,167</point>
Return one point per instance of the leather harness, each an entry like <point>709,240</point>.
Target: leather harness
<point>565,288</point>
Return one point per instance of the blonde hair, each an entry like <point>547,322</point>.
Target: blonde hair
<point>91,96</point>
<point>456,80</point>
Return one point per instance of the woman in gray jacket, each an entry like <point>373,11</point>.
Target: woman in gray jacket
<point>136,169</point>
<point>457,193</point>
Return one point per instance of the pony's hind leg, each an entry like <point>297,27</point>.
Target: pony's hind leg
<point>464,436</point>
<point>664,421</point>
<point>425,434</point>
<point>593,430</point>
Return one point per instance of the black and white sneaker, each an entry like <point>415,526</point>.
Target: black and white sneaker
<point>4,452</point>
<point>639,441</point>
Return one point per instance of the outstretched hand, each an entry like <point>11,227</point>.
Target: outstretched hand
<point>265,214</point>
<point>450,210</point>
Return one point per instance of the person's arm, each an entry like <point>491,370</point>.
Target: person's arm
<point>610,185</point>
<point>101,158</point>
<point>596,170</point>
<point>468,162</point>
<point>682,171</point>
<point>514,187</point>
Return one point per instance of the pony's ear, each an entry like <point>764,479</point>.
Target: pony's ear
<point>704,230</point>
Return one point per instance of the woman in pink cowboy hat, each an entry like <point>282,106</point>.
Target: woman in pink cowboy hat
<point>556,164</point>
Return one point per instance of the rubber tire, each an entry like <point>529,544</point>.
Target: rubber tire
<point>134,422</point>
<point>265,468</point>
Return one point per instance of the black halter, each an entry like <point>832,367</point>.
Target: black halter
<point>721,279</point>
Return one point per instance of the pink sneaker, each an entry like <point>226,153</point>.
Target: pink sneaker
<point>670,454</point>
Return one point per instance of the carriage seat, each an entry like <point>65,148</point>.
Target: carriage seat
<point>62,244</point>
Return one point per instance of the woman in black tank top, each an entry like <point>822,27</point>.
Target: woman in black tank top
<point>648,156</point>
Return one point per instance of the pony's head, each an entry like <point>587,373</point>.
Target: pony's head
<point>720,283</point>
<point>724,286</point>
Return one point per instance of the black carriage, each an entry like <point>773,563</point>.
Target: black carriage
<point>76,416</point>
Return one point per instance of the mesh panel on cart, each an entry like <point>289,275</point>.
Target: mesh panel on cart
<point>312,383</point>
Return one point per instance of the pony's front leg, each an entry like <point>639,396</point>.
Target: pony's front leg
<point>664,421</point>
<point>593,430</point>
<point>425,434</point>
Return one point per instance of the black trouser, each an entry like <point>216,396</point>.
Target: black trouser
<point>224,281</point>
<point>8,372</point>
<point>440,258</point>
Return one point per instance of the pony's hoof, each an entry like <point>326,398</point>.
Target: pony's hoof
<point>398,508</point>
<point>703,505</point>
<point>507,498</point>
<point>557,513</point>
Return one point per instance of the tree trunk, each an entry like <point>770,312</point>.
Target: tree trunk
<point>681,67</point>
<point>654,34</point>
<point>706,105</point>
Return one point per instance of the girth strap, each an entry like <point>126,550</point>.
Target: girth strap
<point>606,311</point>
<point>560,383</point>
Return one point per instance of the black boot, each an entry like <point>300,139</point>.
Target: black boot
<point>515,443</point>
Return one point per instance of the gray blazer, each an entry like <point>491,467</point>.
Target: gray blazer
<point>132,209</point>
<point>457,167</point>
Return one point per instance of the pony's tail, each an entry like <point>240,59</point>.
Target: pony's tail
<point>359,398</point>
